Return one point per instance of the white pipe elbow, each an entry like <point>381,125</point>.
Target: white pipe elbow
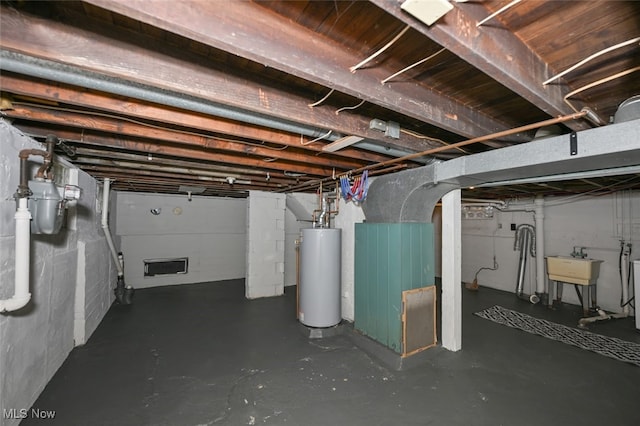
<point>15,303</point>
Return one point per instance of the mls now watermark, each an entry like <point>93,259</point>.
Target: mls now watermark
<point>23,413</point>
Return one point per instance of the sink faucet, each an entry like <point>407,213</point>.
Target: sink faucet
<point>581,254</point>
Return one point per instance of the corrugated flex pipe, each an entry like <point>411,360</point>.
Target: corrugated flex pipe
<point>525,241</point>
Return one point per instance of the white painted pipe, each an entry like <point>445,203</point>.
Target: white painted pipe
<point>105,225</point>
<point>602,316</point>
<point>21,294</point>
<point>539,223</point>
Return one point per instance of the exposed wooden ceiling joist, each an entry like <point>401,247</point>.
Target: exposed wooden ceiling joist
<point>318,60</point>
<point>149,147</point>
<point>117,126</point>
<point>180,73</point>
<point>55,92</point>
<point>494,51</point>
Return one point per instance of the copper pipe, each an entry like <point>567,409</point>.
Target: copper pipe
<point>496,135</point>
<point>43,171</point>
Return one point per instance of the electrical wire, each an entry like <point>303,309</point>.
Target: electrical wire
<point>338,111</point>
<point>314,140</point>
<point>380,51</point>
<point>322,100</point>
<point>431,139</point>
<point>592,57</point>
<point>498,12</point>
<point>421,61</point>
<point>597,83</point>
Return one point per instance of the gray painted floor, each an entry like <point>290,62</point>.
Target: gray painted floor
<point>203,355</point>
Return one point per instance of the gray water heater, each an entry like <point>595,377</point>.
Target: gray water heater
<point>320,283</point>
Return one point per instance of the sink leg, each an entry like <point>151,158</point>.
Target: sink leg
<point>585,300</point>
<point>594,301</point>
<point>558,301</point>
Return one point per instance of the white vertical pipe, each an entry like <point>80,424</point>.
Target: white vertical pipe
<point>21,294</point>
<point>539,221</point>
<point>452,271</point>
<point>105,224</point>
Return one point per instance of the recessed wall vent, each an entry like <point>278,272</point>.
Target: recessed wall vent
<point>153,267</point>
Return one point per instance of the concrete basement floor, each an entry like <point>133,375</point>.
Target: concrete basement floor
<point>202,354</point>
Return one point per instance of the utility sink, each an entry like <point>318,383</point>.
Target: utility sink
<point>573,270</point>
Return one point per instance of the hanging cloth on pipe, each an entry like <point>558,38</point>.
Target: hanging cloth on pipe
<point>356,191</point>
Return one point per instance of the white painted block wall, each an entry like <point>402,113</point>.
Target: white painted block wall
<point>37,339</point>
<point>265,244</point>
<point>293,227</point>
<point>596,223</point>
<point>210,231</point>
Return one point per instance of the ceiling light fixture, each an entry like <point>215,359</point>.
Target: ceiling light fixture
<point>341,143</point>
<point>427,11</point>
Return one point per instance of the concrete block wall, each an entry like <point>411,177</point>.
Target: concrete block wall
<point>210,231</point>
<point>265,244</point>
<point>37,339</point>
<point>293,226</point>
<point>596,223</point>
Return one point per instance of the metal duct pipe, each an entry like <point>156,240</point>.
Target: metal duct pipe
<point>525,242</point>
<point>39,68</point>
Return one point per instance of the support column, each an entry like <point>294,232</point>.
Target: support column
<point>265,244</point>
<point>451,271</point>
<point>540,275</point>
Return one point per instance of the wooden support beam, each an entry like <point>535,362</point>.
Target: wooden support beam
<point>301,52</point>
<point>112,104</point>
<point>116,126</point>
<point>89,137</point>
<point>128,58</point>
<point>494,51</point>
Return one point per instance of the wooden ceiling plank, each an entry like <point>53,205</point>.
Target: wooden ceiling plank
<point>66,44</point>
<point>143,110</point>
<point>300,52</point>
<point>124,128</point>
<point>494,51</point>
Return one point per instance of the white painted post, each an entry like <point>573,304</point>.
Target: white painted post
<point>451,271</point>
<point>79,317</point>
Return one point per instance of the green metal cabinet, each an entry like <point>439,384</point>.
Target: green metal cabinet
<point>389,258</point>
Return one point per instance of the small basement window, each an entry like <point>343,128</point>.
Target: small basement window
<point>153,267</point>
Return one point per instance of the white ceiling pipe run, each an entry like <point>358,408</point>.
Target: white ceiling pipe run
<point>21,294</point>
<point>105,225</point>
